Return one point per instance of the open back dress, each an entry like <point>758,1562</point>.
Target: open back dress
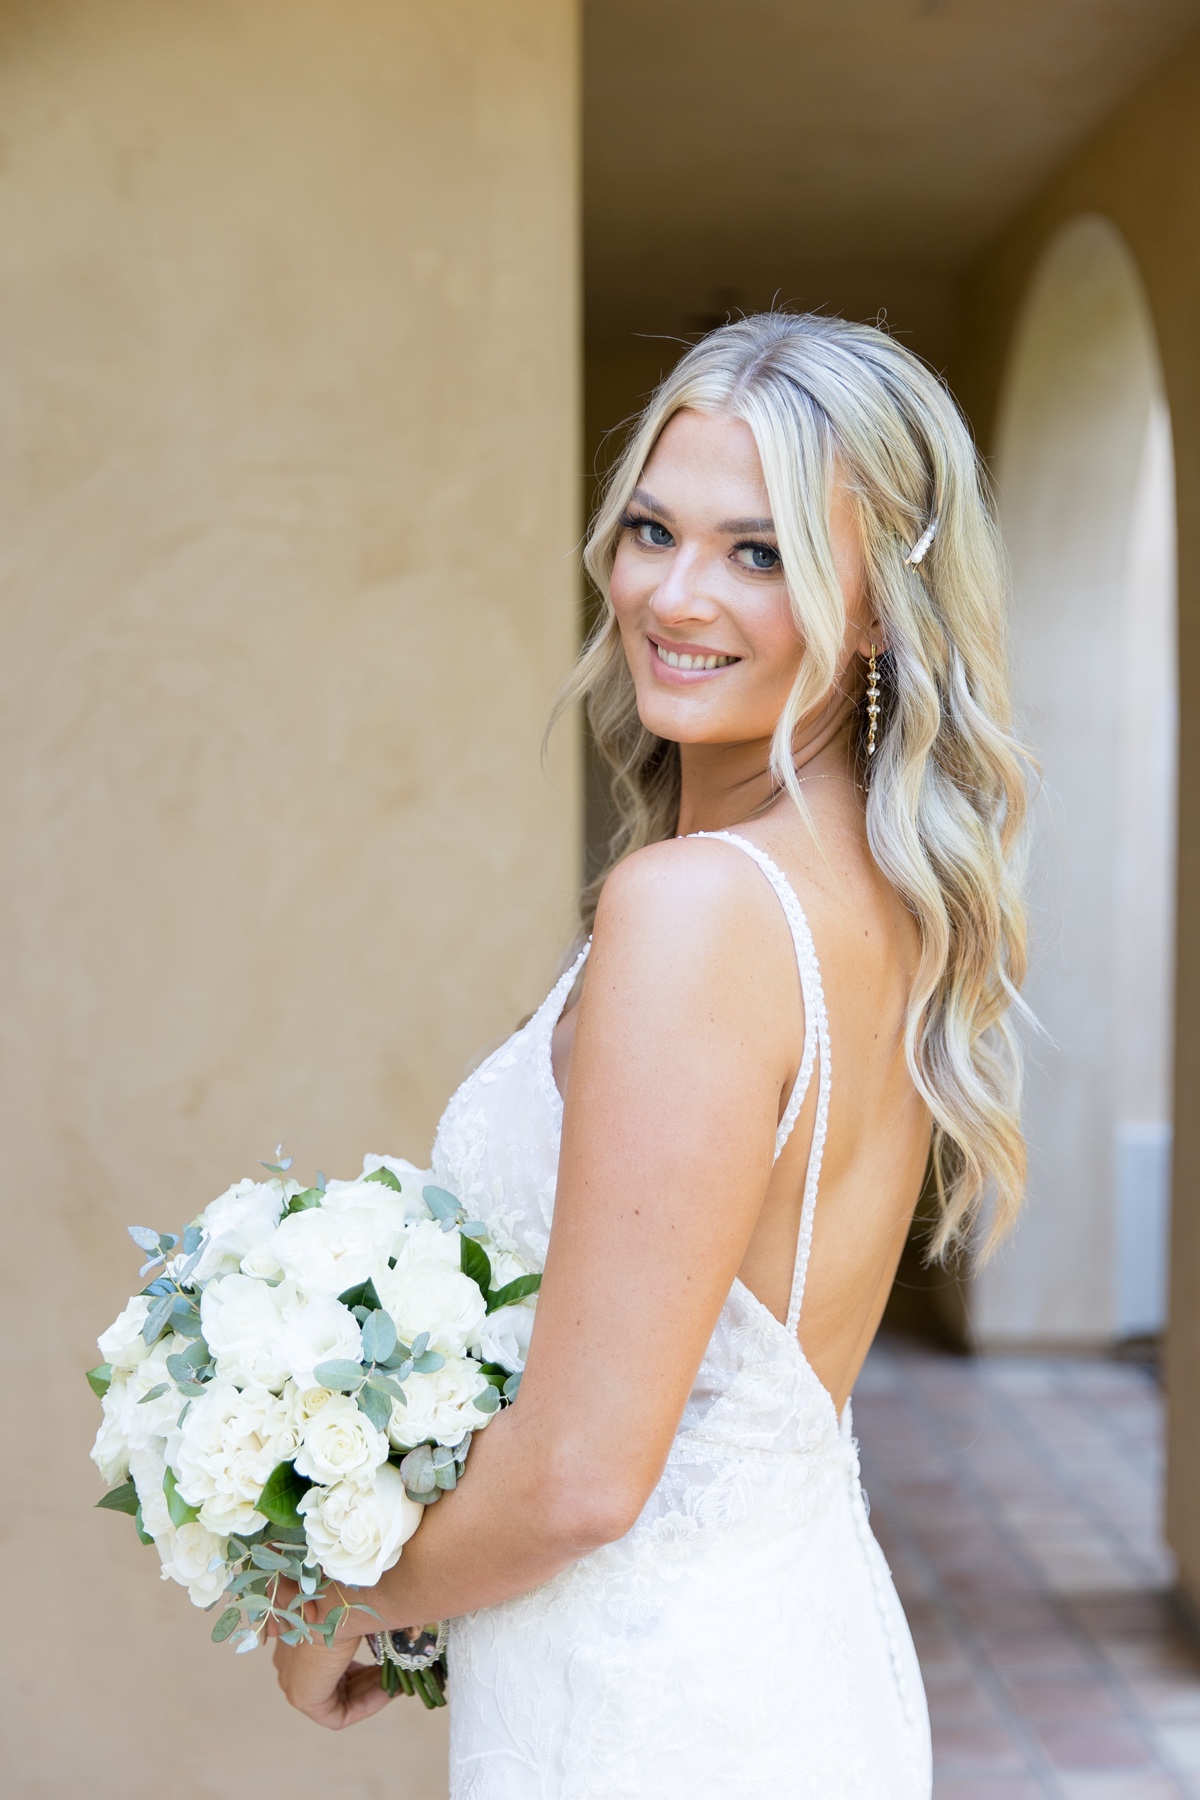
<point>744,1638</point>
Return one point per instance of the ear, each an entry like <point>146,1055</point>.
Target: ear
<point>872,635</point>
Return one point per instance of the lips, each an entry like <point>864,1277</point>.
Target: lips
<point>690,658</point>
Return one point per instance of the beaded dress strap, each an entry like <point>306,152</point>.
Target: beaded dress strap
<point>816,1047</point>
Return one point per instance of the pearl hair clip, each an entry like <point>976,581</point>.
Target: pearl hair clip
<point>922,544</point>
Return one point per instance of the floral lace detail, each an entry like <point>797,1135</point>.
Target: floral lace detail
<point>744,1639</point>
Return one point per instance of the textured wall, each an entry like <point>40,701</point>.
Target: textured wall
<point>289,480</point>
<point>1142,172</point>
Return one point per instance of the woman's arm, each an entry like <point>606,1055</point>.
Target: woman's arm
<point>686,1037</point>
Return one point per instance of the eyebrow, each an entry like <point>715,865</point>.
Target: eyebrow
<point>646,499</point>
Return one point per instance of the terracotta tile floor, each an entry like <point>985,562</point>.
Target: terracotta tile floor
<point>1017,1501</point>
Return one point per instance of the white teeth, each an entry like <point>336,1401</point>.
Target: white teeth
<point>679,659</point>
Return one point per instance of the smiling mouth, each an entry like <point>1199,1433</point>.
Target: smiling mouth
<point>695,660</point>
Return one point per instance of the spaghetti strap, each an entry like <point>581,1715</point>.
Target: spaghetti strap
<point>816,1051</point>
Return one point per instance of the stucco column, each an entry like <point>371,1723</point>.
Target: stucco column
<point>289,478</point>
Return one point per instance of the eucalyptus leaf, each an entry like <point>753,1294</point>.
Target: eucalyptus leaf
<point>120,1499</point>
<point>255,1606</point>
<point>144,1238</point>
<point>473,1228</point>
<point>385,1179</point>
<point>429,1363</point>
<point>420,1343</point>
<point>377,1407</point>
<point>339,1373</point>
<point>378,1337</point>
<point>280,1498</point>
<point>383,1384</point>
<point>227,1624</point>
<point>263,1557</point>
<point>447,1478</point>
<point>473,1260</point>
<point>99,1379</point>
<point>512,1291</point>
<point>193,1237</point>
<point>193,1389</point>
<point>247,1641</point>
<point>512,1386</point>
<point>441,1204</point>
<point>488,1401</point>
<point>157,1317</point>
<point>167,1241</point>
<point>295,1636</point>
<point>162,1285</point>
<point>154,1393</point>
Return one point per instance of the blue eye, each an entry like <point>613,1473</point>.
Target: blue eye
<point>648,532</point>
<point>760,557</point>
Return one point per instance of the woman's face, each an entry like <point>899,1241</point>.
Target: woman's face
<point>698,587</point>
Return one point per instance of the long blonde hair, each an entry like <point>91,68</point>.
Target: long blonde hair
<point>946,788</point>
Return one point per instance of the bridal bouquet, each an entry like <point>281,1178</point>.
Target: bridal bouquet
<point>299,1379</point>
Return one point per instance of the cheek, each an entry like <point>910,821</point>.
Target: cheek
<point>626,587</point>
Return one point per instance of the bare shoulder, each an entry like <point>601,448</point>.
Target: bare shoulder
<point>700,897</point>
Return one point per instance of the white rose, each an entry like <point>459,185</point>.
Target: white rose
<point>440,1301</point>
<point>326,1251</point>
<point>322,1330</point>
<point>260,1262</point>
<point>147,1466</point>
<point>506,1267</point>
<point>356,1533</point>
<point>145,1419</point>
<point>439,1406</point>
<point>395,1210</point>
<point>229,1442</point>
<point>110,1452</point>
<point>236,1222</point>
<point>122,1344</point>
<point>243,1323</point>
<point>308,1401</point>
<point>426,1246</point>
<point>504,1337</point>
<point>339,1443</point>
<point>188,1555</point>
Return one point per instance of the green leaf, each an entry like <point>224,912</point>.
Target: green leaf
<point>473,1260</point>
<point>139,1525</point>
<point>385,1384</point>
<point>307,1198</point>
<point>263,1557</point>
<point>488,1401</point>
<point>193,1389</point>
<point>167,1241</point>
<point>512,1291</point>
<point>339,1373</point>
<point>429,1363</point>
<point>99,1379</point>
<point>282,1495</point>
<point>144,1238</point>
<point>120,1499</point>
<point>178,1510</point>
<point>157,1317</point>
<point>183,1365</point>
<point>154,1393</point>
<point>385,1179</point>
<point>441,1204</point>
<point>193,1237</point>
<point>362,1295</point>
<point>227,1624</point>
<point>377,1407</point>
<point>511,1386</point>
<point>378,1337</point>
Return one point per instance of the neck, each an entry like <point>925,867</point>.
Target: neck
<point>725,784</point>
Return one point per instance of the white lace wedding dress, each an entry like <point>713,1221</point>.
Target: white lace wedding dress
<point>744,1639</point>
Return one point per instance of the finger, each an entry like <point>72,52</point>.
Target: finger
<point>364,1696</point>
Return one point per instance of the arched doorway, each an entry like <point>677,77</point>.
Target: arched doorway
<point>1085,476</point>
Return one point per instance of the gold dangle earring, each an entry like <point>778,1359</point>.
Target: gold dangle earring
<point>872,701</point>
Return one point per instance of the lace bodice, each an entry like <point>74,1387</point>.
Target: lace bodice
<point>593,1685</point>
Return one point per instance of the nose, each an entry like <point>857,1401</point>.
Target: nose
<point>683,594</point>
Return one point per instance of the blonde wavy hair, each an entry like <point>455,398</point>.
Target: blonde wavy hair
<point>946,790</point>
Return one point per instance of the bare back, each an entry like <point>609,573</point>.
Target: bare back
<point>877,1145</point>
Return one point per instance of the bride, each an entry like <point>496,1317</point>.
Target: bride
<point>659,1570</point>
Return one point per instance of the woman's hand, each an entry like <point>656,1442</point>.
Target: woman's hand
<point>327,1685</point>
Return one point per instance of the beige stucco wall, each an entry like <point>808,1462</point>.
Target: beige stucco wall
<point>1143,173</point>
<point>289,483</point>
